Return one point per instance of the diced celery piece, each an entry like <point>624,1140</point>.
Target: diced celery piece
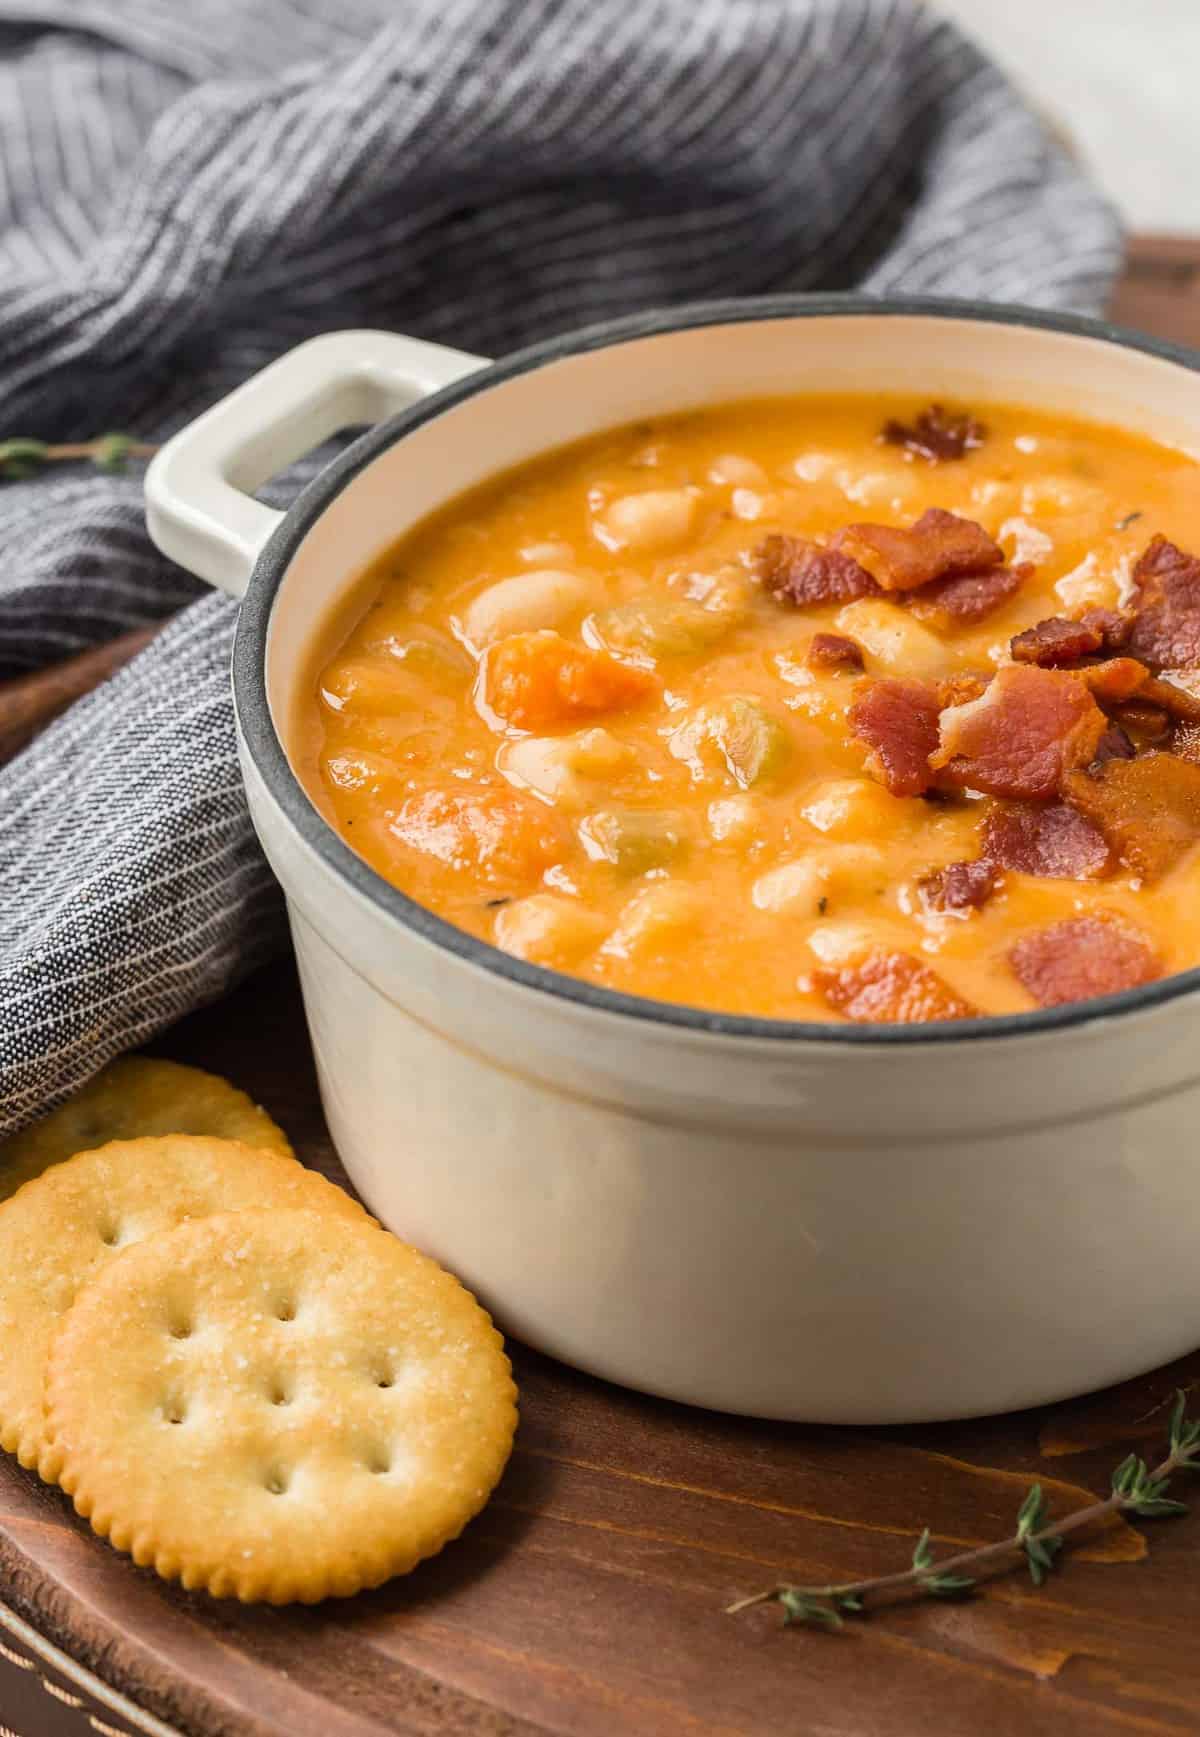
<point>635,840</point>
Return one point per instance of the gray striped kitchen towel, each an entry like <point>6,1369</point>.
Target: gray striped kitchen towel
<point>188,187</point>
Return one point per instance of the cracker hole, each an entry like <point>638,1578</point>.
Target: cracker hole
<point>173,1410</point>
<point>379,1460</point>
<point>285,1310</point>
<point>385,1378</point>
<point>277,1481</point>
<point>110,1235</point>
<point>179,1328</point>
<point>280,1393</point>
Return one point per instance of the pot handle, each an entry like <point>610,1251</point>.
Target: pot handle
<point>200,506</point>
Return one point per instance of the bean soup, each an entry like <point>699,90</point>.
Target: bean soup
<point>837,709</point>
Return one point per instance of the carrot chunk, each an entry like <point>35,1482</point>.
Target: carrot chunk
<point>504,838</point>
<point>537,681</point>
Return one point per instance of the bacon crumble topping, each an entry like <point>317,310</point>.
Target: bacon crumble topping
<point>936,434</point>
<point>959,886</point>
<point>1090,739</point>
<point>939,545</point>
<point>890,989</point>
<point>1021,735</point>
<point>1081,958</point>
<point>798,571</point>
<point>834,651</point>
<point>1056,641</point>
<point>1113,627</point>
<point>1165,600</point>
<point>898,720</point>
<point>1147,808</point>
<point>969,598</point>
<point>1054,842</point>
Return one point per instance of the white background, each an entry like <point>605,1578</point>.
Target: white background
<point>1122,78</point>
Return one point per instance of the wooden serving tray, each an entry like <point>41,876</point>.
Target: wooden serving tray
<point>589,1596</point>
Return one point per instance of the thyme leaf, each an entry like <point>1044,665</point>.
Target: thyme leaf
<point>1137,1488</point>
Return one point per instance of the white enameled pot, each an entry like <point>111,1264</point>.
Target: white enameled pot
<point>832,1223</point>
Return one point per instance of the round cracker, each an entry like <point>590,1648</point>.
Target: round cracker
<point>274,1406</point>
<point>131,1097</point>
<point>57,1230</point>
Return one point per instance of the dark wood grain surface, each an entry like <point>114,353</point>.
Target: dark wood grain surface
<point>588,1597</point>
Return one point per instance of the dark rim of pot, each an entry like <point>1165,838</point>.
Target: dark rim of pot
<point>266,748</point>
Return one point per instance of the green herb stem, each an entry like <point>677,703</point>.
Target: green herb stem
<point>1136,1489</point>
<point>22,457</point>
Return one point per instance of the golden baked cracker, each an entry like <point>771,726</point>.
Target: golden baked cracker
<point>278,1406</point>
<point>137,1095</point>
<point>60,1227</point>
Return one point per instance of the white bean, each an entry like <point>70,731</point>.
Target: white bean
<point>893,638</point>
<point>855,805</point>
<point>732,468</point>
<point>660,912</point>
<point>652,520</point>
<point>546,597</point>
<point>799,886</point>
<point>548,929</point>
<point>561,768</point>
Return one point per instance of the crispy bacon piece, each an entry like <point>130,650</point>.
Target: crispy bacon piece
<point>1149,722</point>
<point>1053,842</point>
<point>1166,605</point>
<point>834,651</point>
<point>937,435</point>
<point>960,886</point>
<point>1113,627</point>
<point>1148,809</point>
<point>1116,679</point>
<point>968,599</point>
<point>797,571</point>
<point>890,989</point>
<point>1056,641</point>
<point>1019,738</point>
<point>898,720</point>
<point>1177,702</point>
<point>1081,958</point>
<point>939,545</point>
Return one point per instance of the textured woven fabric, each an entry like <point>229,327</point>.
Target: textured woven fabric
<point>188,187</point>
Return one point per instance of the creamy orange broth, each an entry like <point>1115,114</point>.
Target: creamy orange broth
<point>724,897</point>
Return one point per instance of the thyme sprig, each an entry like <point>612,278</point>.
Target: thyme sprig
<point>1136,1489</point>
<point>22,457</point>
